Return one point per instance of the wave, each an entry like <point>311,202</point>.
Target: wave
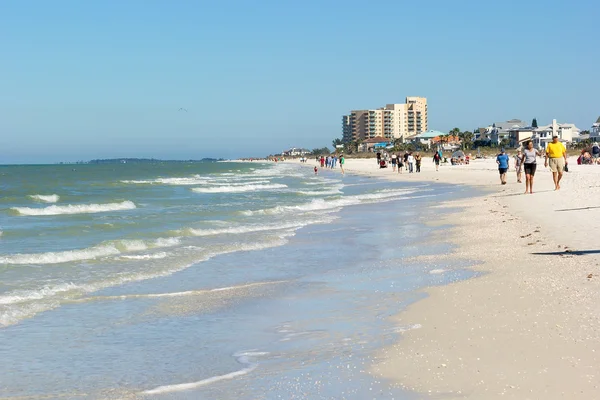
<point>60,256</point>
<point>23,296</point>
<point>75,209</point>
<point>322,204</point>
<point>156,256</point>
<point>103,250</point>
<point>255,228</point>
<point>52,198</point>
<point>239,189</point>
<point>17,306</point>
<point>194,180</point>
<point>243,358</point>
<point>177,294</point>
<point>331,191</point>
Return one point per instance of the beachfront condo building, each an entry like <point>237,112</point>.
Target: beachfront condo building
<point>394,121</point>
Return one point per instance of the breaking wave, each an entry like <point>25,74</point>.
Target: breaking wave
<point>60,256</point>
<point>90,253</point>
<point>51,198</point>
<point>322,204</point>
<point>75,209</point>
<point>239,189</point>
<point>256,228</point>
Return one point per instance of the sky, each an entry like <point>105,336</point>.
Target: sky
<point>102,79</point>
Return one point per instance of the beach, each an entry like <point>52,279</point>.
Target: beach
<point>527,327</point>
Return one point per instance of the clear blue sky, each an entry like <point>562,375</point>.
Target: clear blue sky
<point>86,79</point>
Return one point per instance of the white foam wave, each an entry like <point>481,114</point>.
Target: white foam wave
<point>240,183</point>
<point>167,242</point>
<point>156,256</point>
<point>178,294</point>
<point>233,230</point>
<point>239,189</point>
<point>322,204</point>
<point>75,209</point>
<point>60,256</point>
<point>329,192</point>
<point>194,180</point>
<point>132,245</point>
<point>103,250</point>
<point>51,198</point>
<point>437,271</point>
<point>24,296</point>
<point>243,358</point>
<point>43,299</point>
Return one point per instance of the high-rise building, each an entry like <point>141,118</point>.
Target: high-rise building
<point>394,121</point>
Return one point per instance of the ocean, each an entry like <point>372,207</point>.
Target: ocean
<point>215,280</point>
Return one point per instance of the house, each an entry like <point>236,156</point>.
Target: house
<point>294,152</point>
<point>425,138</point>
<point>595,132</point>
<point>372,143</point>
<point>544,134</point>
<point>499,131</point>
<point>517,136</point>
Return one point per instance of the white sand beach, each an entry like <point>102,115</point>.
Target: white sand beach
<point>529,326</point>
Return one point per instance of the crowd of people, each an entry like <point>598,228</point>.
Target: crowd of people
<point>330,161</point>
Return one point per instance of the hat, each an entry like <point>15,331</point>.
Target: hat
<point>555,136</point>
<point>502,150</point>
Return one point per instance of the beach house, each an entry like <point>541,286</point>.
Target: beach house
<point>374,143</point>
<point>499,131</point>
<point>544,134</point>
<point>295,151</point>
<point>595,132</point>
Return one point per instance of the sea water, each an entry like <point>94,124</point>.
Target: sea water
<point>207,280</point>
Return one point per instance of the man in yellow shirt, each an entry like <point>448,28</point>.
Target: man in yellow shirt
<point>557,154</point>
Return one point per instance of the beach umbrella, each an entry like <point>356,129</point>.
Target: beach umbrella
<point>458,154</point>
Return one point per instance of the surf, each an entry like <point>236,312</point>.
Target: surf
<point>72,209</point>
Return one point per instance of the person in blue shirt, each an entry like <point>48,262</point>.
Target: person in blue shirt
<point>503,164</point>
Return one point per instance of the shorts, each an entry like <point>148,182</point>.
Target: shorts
<point>502,170</point>
<point>437,162</point>
<point>530,169</point>
<point>557,164</point>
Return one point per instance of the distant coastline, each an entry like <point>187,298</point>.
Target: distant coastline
<point>140,161</point>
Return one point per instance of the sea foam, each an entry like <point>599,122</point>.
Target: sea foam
<point>51,198</point>
<point>75,209</point>
<point>243,358</point>
<point>60,256</point>
<point>233,230</point>
<point>323,204</point>
<point>239,189</point>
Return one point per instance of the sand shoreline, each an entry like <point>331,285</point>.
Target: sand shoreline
<point>529,327</point>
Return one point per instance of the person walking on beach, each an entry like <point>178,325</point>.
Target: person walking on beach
<point>503,164</point>
<point>333,162</point>
<point>378,158</point>
<point>418,162</point>
<point>406,160</point>
<point>529,161</point>
<point>316,170</point>
<point>411,161</point>
<point>394,161</point>
<point>518,165</point>
<point>400,163</point>
<point>436,160</point>
<point>556,152</point>
<point>322,161</point>
<point>342,161</point>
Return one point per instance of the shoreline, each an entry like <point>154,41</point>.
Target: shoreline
<point>528,327</point>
